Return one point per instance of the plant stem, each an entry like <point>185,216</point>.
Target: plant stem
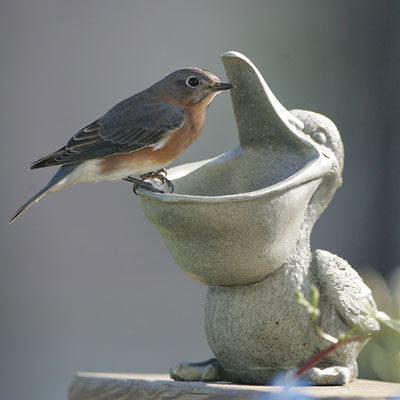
<point>319,356</point>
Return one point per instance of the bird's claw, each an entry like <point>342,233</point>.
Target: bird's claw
<point>161,175</point>
<point>169,183</point>
<point>147,186</point>
<point>137,184</point>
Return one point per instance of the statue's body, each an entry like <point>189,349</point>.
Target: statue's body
<point>241,224</point>
<point>248,325</point>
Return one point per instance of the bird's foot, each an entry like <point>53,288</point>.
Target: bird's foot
<point>206,371</point>
<point>137,183</point>
<point>161,175</point>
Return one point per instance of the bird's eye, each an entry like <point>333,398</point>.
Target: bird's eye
<point>192,81</point>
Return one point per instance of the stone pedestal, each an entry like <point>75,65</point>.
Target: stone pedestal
<point>107,386</point>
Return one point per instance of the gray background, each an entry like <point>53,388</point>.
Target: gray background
<point>86,282</point>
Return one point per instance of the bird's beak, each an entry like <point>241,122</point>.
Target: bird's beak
<point>223,86</point>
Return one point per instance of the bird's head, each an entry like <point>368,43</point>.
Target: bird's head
<point>189,86</point>
<point>323,133</point>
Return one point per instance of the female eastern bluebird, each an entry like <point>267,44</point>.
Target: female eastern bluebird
<point>137,137</point>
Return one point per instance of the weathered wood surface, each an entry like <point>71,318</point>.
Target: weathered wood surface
<point>107,386</point>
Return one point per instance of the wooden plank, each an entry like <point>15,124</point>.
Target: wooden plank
<point>107,386</point>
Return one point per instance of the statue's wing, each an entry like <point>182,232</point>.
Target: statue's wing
<point>341,285</point>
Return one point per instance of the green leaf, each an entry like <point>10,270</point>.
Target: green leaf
<point>314,294</point>
<point>391,323</point>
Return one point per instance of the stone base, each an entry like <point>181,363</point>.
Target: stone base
<point>107,386</point>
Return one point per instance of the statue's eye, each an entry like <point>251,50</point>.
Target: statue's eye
<point>319,137</point>
<point>192,81</point>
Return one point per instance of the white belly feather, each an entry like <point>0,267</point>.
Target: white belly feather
<point>90,171</point>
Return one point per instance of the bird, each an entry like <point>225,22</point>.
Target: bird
<point>137,137</point>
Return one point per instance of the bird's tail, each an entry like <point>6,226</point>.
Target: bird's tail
<point>58,177</point>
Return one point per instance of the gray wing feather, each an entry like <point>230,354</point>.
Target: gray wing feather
<point>121,130</point>
<point>345,289</point>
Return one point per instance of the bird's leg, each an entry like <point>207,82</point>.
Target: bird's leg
<point>162,171</point>
<point>137,183</point>
<point>160,174</point>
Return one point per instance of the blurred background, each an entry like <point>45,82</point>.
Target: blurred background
<point>86,282</point>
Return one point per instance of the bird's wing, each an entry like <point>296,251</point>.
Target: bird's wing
<point>119,131</point>
<point>343,288</point>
